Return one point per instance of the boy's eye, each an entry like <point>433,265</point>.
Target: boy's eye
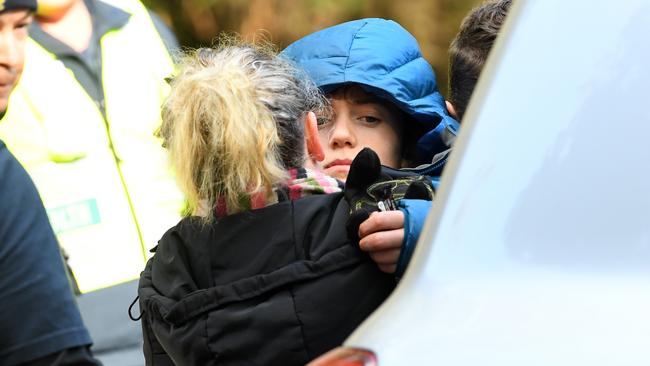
<point>322,121</point>
<point>369,119</point>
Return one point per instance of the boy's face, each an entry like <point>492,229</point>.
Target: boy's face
<point>13,35</point>
<point>359,120</point>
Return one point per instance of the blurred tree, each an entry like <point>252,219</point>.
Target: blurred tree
<point>198,22</point>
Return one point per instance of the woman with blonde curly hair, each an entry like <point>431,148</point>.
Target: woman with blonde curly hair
<point>266,274</point>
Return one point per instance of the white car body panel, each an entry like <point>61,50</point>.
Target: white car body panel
<point>537,251</point>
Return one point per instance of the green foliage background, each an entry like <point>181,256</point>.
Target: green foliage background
<point>198,22</point>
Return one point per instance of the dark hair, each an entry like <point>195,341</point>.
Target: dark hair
<point>470,49</point>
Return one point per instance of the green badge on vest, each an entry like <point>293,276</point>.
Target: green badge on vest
<point>74,215</point>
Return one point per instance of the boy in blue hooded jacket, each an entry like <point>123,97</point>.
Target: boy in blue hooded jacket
<point>384,96</point>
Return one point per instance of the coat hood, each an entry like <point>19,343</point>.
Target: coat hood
<point>386,61</point>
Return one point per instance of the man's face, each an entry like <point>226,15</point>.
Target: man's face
<point>359,120</point>
<point>13,35</point>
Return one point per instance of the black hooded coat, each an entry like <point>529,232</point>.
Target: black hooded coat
<point>274,286</point>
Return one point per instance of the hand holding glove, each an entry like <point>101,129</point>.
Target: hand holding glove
<point>389,236</point>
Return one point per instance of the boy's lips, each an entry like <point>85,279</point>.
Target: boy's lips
<point>338,162</point>
<point>338,168</point>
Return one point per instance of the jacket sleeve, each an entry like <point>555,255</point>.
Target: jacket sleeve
<point>154,354</point>
<point>169,277</point>
<point>415,212</point>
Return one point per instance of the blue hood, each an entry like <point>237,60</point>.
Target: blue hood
<point>386,61</point>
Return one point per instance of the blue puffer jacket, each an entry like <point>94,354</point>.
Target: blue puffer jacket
<point>386,61</point>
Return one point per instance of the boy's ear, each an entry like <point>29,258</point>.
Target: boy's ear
<point>451,109</point>
<point>314,146</point>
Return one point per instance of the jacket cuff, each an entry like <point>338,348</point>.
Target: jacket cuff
<point>415,212</point>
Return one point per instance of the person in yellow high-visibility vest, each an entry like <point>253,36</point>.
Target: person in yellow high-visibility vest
<point>82,122</point>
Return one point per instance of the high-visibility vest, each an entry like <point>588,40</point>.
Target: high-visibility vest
<point>104,180</point>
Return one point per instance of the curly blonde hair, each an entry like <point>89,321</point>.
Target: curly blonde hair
<point>233,123</point>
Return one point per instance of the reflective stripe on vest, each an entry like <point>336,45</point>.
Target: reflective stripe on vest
<point>97,175</point>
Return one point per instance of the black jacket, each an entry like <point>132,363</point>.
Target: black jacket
<point>275,286</point>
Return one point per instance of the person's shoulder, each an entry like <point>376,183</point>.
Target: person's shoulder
<point>179,254</point>
<point>5,155</point>
<point>5,160</point>
<point>319,202</point>
<point>185,242</point>
<point>13,177</point>
<point>321,220</point>
<point>177,234</point>
<point>336,196</point>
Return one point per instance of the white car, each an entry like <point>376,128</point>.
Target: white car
<point>537,251</point>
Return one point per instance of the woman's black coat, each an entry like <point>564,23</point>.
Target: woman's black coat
<point>274,286</point>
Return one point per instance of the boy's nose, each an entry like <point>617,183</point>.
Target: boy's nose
<point>342,134</point>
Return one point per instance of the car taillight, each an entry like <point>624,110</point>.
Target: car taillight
<point>344,356</point>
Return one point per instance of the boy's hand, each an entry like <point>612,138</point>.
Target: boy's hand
<point>382,235</point>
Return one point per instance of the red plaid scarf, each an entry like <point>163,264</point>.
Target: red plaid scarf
<point>302,182</point>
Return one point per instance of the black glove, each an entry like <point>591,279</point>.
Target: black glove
<point>371,187</point>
